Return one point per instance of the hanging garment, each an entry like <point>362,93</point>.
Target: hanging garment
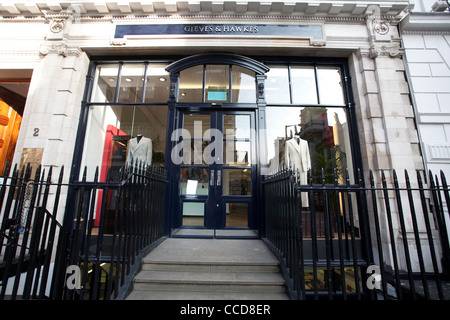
<point>297,156</point>
<point>140,150</point>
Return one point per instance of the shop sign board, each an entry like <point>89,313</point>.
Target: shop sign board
<point>303,31</point>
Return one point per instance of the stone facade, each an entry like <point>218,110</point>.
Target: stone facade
<point>56,40</point>
<point>426,39</point>
<point>383,41</point>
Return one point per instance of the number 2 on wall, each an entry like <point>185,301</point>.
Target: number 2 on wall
<point>36,132</point>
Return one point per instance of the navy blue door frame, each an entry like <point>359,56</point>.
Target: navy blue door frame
<point>173,218</point>
<point>215,202</point>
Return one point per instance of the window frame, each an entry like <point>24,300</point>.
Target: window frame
<point>120,64</point>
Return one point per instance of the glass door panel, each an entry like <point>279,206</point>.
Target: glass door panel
<point>194,181</point>
<point>193,214</point>
<point>237,214</point>
<point>215,184</point>
<point>237,182</point>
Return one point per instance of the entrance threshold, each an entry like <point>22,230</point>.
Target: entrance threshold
<point>202,233</point>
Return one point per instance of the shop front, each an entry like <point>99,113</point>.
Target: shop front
<point>220,94</point>
<point>219,123</point>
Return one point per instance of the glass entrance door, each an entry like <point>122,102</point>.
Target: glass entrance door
<point>216,153</point>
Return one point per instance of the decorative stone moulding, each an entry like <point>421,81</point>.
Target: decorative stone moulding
<point>332,8</point>
<point>57,25</point>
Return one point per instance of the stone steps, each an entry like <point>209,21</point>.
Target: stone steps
<point>220,276</point>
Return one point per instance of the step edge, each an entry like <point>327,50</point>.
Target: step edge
<point>237,263</point>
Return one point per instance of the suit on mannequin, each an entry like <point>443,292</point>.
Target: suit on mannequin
<point>140,149</point>
<point>297,156</point>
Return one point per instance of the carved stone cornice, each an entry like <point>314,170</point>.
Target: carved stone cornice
<point>383,39</point>
<point>60,48</point>
<point>193,7</point>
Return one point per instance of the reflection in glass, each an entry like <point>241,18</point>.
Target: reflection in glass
<point>303,85</point>
<point>330,86</point>
<point>236,126</point>
<point>158,83</point>
<point>237,214</point>
<point>243,85</point>
<point>237,153</point>
<point>277,85</point>
<point>105,83</point>
<point>197,125</point>
<point>325,131</point>
<point>217,83</point>
<point>190,85</point>
<point>194,181</point>
<point>237,182</point>
<point>131,83</point>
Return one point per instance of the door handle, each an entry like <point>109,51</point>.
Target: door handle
<point>219,178</point>
<point>211,179</point>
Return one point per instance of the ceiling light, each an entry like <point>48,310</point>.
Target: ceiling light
<point>128,79</point>
<point>162,79</point>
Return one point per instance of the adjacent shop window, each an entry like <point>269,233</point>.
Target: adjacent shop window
<point>127,122</point>
<point>310,138</point>
<point>306,121</point>
<point>217,84</point>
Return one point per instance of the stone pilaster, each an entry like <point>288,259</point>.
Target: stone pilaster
<point>54,100</point>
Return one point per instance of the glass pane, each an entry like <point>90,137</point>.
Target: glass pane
<point>236,126</point>
<point>277,85</point>
<point>237,214</point>
<point>330,86</point>
<point>110,129</point>
<point>237,153</point>
<point>193,213</point>
<point>105,83</point>
<point>197,125</point>
<point>190,85</point>
<point>322,140</point>
<point>131,83</point>
<point>243,85</point>
<point>158,84</point>
<point>237,182</point>
<point>194,181</point>
<point>194,145</point>
<point>303,85</point>
<point>217,82</point>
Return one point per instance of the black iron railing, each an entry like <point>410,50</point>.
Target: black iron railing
<point>28,230</point>
<point>87,246</point>
<point>386,240</point>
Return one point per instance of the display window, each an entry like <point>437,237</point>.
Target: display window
<point>127,118</point>
<point>308,130</point>
<point>127,122</point>
<point>307,121</point>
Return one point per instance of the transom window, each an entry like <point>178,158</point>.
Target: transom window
<point>304,85</point>
<point>216,84</point>
<point>131,83</point>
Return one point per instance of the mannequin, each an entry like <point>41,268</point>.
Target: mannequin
<point>140,150</point>
<point>298,157</point>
